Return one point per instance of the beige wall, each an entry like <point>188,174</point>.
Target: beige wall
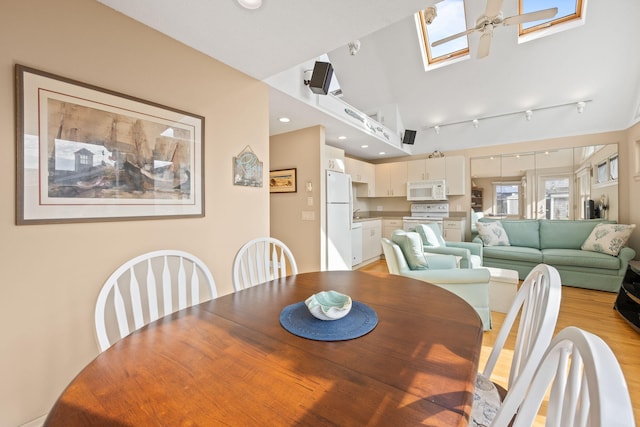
<point>51,274</point>
<point>301,150</point>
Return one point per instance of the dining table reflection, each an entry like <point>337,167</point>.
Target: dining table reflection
<point>229,361</point>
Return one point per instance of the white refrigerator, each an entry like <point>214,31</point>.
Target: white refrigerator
<point>339,218</point>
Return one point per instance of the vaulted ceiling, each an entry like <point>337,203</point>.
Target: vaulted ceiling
<point>596,62</point>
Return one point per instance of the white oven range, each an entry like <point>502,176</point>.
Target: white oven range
<point>425,213</point>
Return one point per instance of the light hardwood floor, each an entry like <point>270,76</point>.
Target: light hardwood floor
<point>589,310</point>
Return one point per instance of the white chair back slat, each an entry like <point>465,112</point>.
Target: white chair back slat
<point>261,260</point>
<point>587,387</point>
<point>136,300</point>
<point>182,285</point>
<point>167,269</point>
<point>195,286</point>
<point>152,293</point>
<point>167,287</point>
<point>121,312</point>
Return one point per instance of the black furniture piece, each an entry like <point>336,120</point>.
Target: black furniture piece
<point>628,300</point>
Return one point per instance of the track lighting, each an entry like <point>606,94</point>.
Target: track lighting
<point>580,106</point>
<point>528,114</point>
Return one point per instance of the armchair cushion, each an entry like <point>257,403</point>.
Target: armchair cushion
<point>431,235</point>
<point>411,245</point>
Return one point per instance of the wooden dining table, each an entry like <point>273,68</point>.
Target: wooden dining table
<point>229,361</point>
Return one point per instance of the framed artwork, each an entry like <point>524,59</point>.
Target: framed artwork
<point>247,169</point>
<point>283,181</point>
<point>90,154</point>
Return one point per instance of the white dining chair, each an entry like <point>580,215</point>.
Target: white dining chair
<point>261,260</point>
<point>583,381</point>
<point>147,287</point>
<point>537,304</point>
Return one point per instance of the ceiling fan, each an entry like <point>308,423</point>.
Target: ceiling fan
<point>492,18</point>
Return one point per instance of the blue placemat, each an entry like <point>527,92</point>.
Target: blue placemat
<point>297,319</point>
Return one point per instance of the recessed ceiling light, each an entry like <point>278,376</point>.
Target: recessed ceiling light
<point>342,137</point>
<point>364,146</point>
<point>284,119</point>
<point>382,153</point>
<point>250,4</point>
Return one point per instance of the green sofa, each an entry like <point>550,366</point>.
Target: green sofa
<point>558,243</point>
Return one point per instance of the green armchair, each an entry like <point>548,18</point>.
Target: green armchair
<point>472,285</point>
<point>469,254</point>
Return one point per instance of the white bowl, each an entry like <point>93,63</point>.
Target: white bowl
<point>329,305</point>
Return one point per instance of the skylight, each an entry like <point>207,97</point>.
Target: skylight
<point>450,19</point>
<point>568,10</point>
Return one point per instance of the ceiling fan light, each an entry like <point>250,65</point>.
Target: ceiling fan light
<point>250,4</point>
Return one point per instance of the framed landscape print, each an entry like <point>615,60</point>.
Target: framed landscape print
<point>90,154</point>
<point>283,181</point>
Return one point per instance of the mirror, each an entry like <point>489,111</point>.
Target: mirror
<point>568,183</point>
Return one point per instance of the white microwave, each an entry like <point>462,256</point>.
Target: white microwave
<point>426,190</point>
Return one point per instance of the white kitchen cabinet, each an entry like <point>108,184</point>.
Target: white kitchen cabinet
<point>417,170</point>
<point>453,230</point>
<point>455,175</point>
<point>389,226</point>
<point>371,235</point>
<point>356,244</point>
<point>436,168</point>
<point>363,174</point>
<point>391,179</point>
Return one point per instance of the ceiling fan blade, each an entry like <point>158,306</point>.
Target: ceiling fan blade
<point>494,7</point>
<point>531,16</point>
<point>452,37</point>
<point>484,44</point>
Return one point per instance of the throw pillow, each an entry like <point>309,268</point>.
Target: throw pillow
<point>431,235</point>
<point>492,234</point>
<point>411,246</point>
<point>608,238</point>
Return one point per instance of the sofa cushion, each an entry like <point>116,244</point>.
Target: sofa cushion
<point>565,234</point>
<point>431,235</point>
<point>578,258</point>
<point>608,238</point>
<point>492,234</point>
<point>411,246</point>
<point>513,253</point>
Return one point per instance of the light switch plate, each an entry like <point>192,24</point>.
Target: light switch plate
<point>308,215</point>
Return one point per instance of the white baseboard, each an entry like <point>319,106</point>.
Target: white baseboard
<point>38,422</point>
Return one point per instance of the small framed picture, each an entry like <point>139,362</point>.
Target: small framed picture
<point>283,181</point>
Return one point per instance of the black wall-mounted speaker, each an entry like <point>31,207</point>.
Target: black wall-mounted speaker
<point>321,78</point>
<point>409,136</point>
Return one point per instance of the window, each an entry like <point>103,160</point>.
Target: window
<point>507,199</point>
<point>556,196</point>
<point>451,20</point>
<point>613,168</point>
<point>568,10</point>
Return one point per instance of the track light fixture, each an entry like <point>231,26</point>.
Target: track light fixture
<point>528,114</point>
<point>581,106</point>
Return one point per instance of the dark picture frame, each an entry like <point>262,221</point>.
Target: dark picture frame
<point>283,181</point>
<point>85,153</point>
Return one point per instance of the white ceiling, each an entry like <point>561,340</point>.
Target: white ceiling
<point>597,61</point>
